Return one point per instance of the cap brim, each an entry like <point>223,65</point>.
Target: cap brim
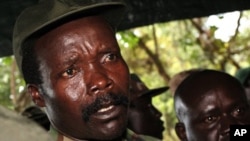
<point>154,92</point>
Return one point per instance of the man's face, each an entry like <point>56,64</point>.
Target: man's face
<point>144,118</point>
<point>85,79</point>
<point>209,116</point>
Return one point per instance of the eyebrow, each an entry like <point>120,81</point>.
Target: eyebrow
<point>68,59</point>
<point>238,104</point>
<point>209,110</point>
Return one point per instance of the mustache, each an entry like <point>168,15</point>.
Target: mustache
<point>101,101</point>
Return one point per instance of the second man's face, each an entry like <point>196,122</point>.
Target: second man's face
<point>211,117</point>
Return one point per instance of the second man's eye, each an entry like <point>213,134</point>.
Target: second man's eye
<point>239,111</point>
<point>210,119</point>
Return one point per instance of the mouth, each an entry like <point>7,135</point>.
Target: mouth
<point>162,127</point>
<point>106,107</point>
<point>103,110</point>
<point>108,113</point>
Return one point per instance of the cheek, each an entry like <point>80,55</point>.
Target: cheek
<point>136,119</point>
<point>120,75</point>
<point>124,74</point>
<point>75,90</point>
<point>68,91</point>
<point>203,133</point>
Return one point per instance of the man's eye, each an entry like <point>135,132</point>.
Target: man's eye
<point>210,119</point>
<point>69,72</point>
<point>239,111</point>
<point>110,57</point>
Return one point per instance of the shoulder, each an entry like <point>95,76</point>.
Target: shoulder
<point>16,127</point>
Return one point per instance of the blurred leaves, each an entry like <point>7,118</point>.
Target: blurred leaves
<point>11,83</point>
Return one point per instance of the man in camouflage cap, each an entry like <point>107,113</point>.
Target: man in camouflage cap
<point>72,65</point>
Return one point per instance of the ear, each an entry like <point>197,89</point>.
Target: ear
<point>181,131</point>
<point>36,95</point>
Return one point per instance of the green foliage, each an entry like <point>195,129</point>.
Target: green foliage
<point>127,39</point>
<point>11,83</point>
<point>5,81</point>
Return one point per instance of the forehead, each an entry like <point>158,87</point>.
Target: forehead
<point>220,96</point>
<point>201,83</point>
<point>220,93</point>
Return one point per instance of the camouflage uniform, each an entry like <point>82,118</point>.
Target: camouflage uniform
<point>131,136</point>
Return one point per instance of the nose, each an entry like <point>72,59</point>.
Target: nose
<point>155,112</point>
<point>158,114</point>
<point>100,82</point>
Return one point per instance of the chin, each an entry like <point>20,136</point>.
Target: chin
<point>116,133</point>
<point>112,132</point>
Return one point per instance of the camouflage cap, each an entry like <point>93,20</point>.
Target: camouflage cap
<point>48,13</point>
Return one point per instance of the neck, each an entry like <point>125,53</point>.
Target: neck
<point>61,137</point>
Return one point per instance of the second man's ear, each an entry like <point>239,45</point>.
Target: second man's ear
<point>36,95</point>
<point>181,131</point>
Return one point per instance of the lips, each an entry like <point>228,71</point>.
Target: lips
<point>107,113</point>
<point>102,110</point>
